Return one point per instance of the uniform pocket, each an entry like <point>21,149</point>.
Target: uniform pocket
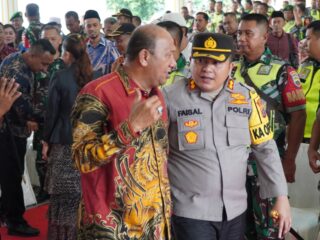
<point>190,133</point>
<point>238,130</point>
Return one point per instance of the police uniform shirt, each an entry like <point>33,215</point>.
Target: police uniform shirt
<point>209,147</point>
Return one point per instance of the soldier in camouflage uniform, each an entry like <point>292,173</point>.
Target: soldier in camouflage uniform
<point>278,84</point>
<point>32,33</point>
<point>41,85</point>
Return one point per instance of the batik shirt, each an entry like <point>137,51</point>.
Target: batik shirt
<point>103,55</point>
<point>14,66</point>
<point>124,178</point>
<point>285,89</point>
<point>5,51</point>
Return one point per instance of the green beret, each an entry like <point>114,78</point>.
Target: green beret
<point>16,15</point>
<point>212,45</point>
<point>288,8</point>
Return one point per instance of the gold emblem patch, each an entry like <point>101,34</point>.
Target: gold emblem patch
<point>191,137</point>
<point>238,98</point>
<point>191,123</point>
<point>230,84</point>
<point>210,43</point>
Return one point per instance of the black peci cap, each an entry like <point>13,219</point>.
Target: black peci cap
<point>91,14</point>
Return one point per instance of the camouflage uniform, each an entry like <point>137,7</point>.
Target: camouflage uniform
<point>41,89</point>
<point>280,86</point>
<point>31,34</point>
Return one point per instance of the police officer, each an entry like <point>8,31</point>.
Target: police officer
<point>279,86</point>
<point>309,72</point>
<point>213,123</point>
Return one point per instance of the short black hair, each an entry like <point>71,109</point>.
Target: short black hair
<point>231,14</point>
<point>260,19</point>
<point>315,27</point>
<point>266,7</point>
<point>32,10</point>
<point>72,14</point>
<point>41,46</point>
<point>173,28</point>
<point>185,8</point>
<point>205,16</point>
<point>9,26</point>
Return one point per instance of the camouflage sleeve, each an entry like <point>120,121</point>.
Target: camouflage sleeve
<point>93,145</point>
<point>270,172</point>
<point>292,94</point>
<point>259,125</point>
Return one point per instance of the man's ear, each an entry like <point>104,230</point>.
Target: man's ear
<point>144,56</point>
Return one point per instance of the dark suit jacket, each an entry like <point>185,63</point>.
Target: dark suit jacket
<point>63,91</point>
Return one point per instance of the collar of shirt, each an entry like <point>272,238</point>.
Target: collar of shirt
<point>265,59</point>
<point>102,42</point>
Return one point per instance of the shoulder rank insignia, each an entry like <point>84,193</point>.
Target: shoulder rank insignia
<point>192,84</point>
<point>264,70</point>
<point>230,85</point>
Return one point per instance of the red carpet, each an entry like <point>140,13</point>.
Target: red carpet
<point>36,217</point>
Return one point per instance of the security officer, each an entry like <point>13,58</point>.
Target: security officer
<point>279,86</point>
<point>17,21</point>
<point>213,123</point>
<point>309,72</point>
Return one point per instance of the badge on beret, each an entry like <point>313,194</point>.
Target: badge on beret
<point>264,70</point>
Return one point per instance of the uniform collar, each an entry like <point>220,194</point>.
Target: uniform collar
<point>265,59</point>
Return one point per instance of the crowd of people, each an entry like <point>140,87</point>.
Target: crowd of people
<point>187,127</point>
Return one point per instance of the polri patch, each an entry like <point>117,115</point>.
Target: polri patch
<point>264,70</point>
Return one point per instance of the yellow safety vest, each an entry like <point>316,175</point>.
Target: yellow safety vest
<point>288,26</point>
<point>262,74</point>
<point>310,81</point>
<point>315,14</point>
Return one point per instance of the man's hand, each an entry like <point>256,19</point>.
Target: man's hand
<point>314,156</point>
<point>32,126</point>
<point>144,113</point>
<point>8,94</point>
<point>289,168</point>
<point>282,216</point>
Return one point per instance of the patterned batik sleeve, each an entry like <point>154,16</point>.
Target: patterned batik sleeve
<point>93,146</point>
<point>292,94</point>
<point>259,125</point>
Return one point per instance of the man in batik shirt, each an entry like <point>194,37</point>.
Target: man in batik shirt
<point>18,124</point>
<point>102,52</point>
<point>120,144</point>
